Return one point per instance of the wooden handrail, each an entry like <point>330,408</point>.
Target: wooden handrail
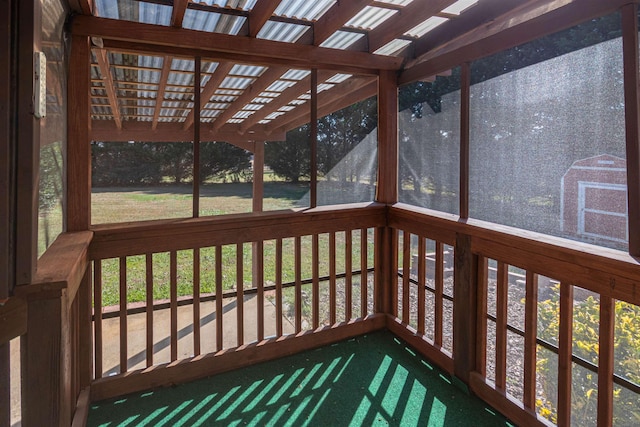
<point>116,240</point>
<point>602,270</point>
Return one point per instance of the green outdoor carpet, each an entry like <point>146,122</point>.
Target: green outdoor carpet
<point>370,380</point>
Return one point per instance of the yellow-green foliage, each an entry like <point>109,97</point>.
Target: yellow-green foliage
<point>586,321</point>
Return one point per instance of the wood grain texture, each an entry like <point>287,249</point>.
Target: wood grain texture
<point>13,317</point>
<point>387,188</point>
<point>297,250</point>
<point>481,315</point>
<point>240,293</point>
<point>502,292</point>
<point>464,308</point>
<point>332,278</point>
<point>219,303</point>
<point>223,361</point>
<point>97,317</point>
<point>606,362</point>
<point>107,80</point>
<point>309,56</point>
<point>78,141</point>
<point>124,338</point>
<point>364,276</point>
<point>565,351</point>
<point>422,283</point>
<point>348,280</point>
<point>177,13</point>
<point>530,344</point>
<point>406,275</point>
<point>632,122</point>
<point>260,14</point>
<point>278,288</point>
<point>149,308</point>
<point>334,18</point>
<point>196,302</point>
<point>315,276</point>
<point>439,293</point>
<point>465,117</point>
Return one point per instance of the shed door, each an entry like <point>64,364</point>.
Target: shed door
<point>602,211</point>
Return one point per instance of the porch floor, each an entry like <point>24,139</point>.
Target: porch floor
<point>374,379</point>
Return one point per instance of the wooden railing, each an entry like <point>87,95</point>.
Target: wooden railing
<point>528,309</point>
<point>237,290</point>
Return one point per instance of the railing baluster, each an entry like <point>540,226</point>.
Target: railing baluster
<point>395,238</point>
<point>501,325</point>
<point>240,293</point>
<point>315,280</point>
<point>97,315</point>
<point>364,275</point>
<point>279,287</point>
<point>422,253</point>
<point>606,361</point>
<point>259,277</point>
<point>406,275</point>
<point>123,314</point>
<point>149,308</point>
<point>298,272</point>
<point>530,346</point>
<point>219,314</point>
<point>348,280</point>
<point>439,300</point>
<point>173,291</point>
<point>481,329</point>
<point>196,301</point>
<point>332,277</point>
<point>565,351</point>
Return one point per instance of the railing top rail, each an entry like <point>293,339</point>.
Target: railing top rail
<point>129,239</point>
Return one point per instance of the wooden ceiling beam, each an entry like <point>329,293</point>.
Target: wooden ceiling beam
<point>334,18</point>
<point>407,18</point>
<point>260,14</point>
<point>337,103</point>
<point>177,15</point>
<point>253,91</point>
<point>105,71</point>
<point>283,99</point>
<point>164,76</point>
<point>532,20</point>
<point>281,123</point>
<point>105,130</point>
<point>214,44</point>
<point>221,72</point>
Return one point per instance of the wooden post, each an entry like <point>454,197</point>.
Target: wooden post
<point>606,360</point>
<point>565,351</point>
<point>632,121</point>
<point>6,149</point>
<point>387,187</point>
<point>313,202</point>
<point>465,91</point>
<point>78,143</point>
<point>258,177</point>
<point>257,248</point>
<point>28,143</point>
<point>196,136</point>
<point>464,308</point>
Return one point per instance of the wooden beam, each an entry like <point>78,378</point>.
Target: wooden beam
<point>464,310</point>
<point>164,77</point>
<point>632,125</point>
<point>213,44</point>
<point>407,18</point>
<point>105,130</point>
<point>387,188</point>
<point>606,361</point>
<point>13,317</point>
<point>531,21</point>
<point>107,78</point>
<point>84,7</point>
<point>253,91</point>
<point>465,115</point>
<point>288,95</point>
<point>177,14</point>
<point>334,18</point>
<point>196,137</point>
<point>6,153</point>
<point>78,146</point>
<point>221,72</point>
<point>313,136</point>
<point>260,14</point>
<point>302,114</point>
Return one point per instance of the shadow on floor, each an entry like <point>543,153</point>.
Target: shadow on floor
<point>370,380</point>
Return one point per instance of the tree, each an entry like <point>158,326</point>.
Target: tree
<point>223,160</point>
<point>290,159</point>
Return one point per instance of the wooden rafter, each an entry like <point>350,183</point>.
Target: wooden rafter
<point>164,76</point>
<point>212,45</point>
<point>334,18</point>
<point>260,14</point>
<point>84,7</point>
<point>209,89</point>
<point>105,130</point>
<point>105,71</point>
<point>407,18</point>
<point>177,15</point>
<point>533,19</point>
<point>338,92</point>
<point>253,91</point>
<point>283,99</point>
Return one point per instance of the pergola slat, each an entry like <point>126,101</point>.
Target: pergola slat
<point>334,18</point>
<point>407,18</point>
<point>166,68</point>
<point>105,71</point>
<point>209,89</point>
<point>260,14</point>
<point>177,15</point>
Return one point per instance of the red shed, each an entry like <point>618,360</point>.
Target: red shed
<point>594,199</point>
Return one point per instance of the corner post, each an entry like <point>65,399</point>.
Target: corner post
<point>387,187</point>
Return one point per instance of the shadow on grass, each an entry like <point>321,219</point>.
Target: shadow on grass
<point>370,380</point>
<point>275,190</point>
